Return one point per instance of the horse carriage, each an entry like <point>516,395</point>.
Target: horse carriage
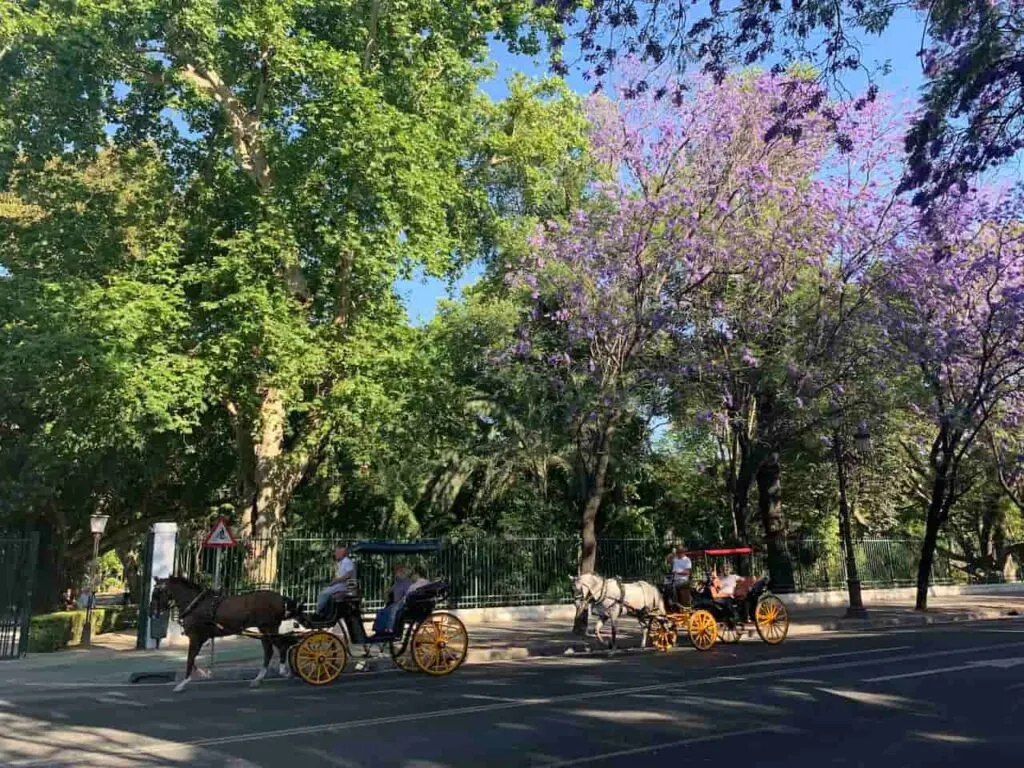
<point>424,639</point>
<point>709,619</point>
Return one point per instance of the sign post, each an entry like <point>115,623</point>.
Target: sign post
<point>159,564</point>
<point>219,538</point>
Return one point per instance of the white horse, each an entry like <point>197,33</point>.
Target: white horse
<point>611,598</point>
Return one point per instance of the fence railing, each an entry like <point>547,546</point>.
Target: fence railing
<point>17,571</point>
<point>530,571</point>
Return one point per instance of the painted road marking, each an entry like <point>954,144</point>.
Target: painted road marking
<point>328,758</point>
<point>572,698</point>
<point>997,663</point>
<point>782,730</point>
<point>551,660</point>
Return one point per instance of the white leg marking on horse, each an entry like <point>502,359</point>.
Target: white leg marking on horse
<point>283,671</point>
<point>203,673</point>
<point>259,677</point>
<point>181,686</point>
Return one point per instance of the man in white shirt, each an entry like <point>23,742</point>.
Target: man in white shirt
<point>681,568</point>
<point>344,580</point>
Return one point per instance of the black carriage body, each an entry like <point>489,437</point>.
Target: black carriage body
<point>731,609</point>
<point>425,639</point>
<point>418,606</point>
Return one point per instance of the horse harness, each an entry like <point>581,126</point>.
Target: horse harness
<point>621,600</point>
<point>209,615</point>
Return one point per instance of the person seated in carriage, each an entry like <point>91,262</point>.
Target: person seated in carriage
<point>728,586</point>
<point>723,586</point>
<point>343,583</point>
<point>405,584</point>
<point>383,622</point>
<point>727,591</point>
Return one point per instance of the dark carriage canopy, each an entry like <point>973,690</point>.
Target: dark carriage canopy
<point>396,548</point>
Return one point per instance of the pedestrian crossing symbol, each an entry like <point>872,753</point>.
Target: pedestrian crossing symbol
<point>220,535</point>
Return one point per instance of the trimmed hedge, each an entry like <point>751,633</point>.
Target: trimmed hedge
<point>55,631</point>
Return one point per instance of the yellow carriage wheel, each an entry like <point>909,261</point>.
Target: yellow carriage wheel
<point>771,619</point>
<point>320,658</point>
<point>403,660</point>
<point>440,644</point>
<point>729,634</point>
<point>663,634</point>
<point>703,630</point>
<point>291,659</point>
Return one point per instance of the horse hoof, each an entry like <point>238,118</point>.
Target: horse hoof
<point>254,684</point>
<point>180,686</point>
<point>283,671</point>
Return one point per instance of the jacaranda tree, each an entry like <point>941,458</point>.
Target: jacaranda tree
<point>687,208</point>
<point>960,324</point>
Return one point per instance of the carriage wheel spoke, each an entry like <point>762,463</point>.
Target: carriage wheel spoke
<point>320,658</point>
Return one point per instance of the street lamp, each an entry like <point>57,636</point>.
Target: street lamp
<point>97,524</point>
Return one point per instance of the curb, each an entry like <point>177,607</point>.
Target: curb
<point>921,620</point>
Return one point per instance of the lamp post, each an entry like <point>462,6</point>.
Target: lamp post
<point>97,524</point>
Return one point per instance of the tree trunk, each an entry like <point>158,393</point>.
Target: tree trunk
<point>845,528</point>
<point>272,477</point>
<point>741,476</point>
<point>741,509</point>
<point>931,532</point>
<point>769,502</point>
<point>741,497</point>
<point>596,490</point>
<point>129,557</point>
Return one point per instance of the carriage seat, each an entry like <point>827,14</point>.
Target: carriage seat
<point>432,590</point>
<point>346,597</point>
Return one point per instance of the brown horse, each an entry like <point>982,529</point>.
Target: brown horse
<point>204,614</point>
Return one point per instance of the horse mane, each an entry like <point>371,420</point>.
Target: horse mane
<point>183,582</point>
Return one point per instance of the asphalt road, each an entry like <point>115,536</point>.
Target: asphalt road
<point>931,696</point>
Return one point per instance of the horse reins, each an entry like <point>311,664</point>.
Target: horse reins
<point>188,609</point>
<point>621,600</point>
<point>192,606</point>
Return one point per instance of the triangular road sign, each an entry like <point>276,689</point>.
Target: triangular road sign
<point>220,535</point>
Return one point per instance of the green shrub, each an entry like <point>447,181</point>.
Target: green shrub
<point>119,619</point>
<point>56,631</point>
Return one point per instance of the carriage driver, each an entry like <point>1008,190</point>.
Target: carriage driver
<point>681,568</point>
<point>344,580</point>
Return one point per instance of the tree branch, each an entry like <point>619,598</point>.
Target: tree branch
<point>244,127</point>
<point>371,42</point>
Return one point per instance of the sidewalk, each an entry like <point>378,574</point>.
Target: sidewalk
<point>113,658</point>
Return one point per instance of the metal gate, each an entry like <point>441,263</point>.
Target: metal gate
<point>17,571</point>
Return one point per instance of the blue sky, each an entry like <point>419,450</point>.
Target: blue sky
<point>898,46</point>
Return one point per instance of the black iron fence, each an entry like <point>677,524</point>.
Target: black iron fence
<point>17,570</point>
<point>529,571</point>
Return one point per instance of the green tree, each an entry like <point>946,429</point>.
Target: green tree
<point>309,152</point>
